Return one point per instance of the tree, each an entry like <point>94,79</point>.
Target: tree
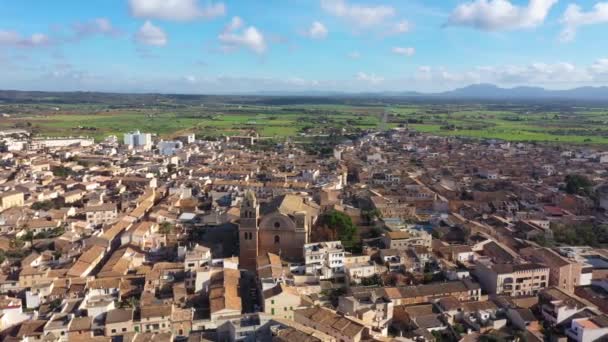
<point>342,226</point>
<point>374,280</point>
<point>370,215</point>
<point>578,185</point>
<point>165,228</point>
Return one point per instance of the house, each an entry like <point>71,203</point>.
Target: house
<point>281,301</point>
<point>330,323</point>
<point>370,308</point>
<point>101,214</point>
<point>119,322</point>
<point>153,319</point>
<point>270,271</point>
<point>404,239</point>
<point>196,258</point>
<point>588,329</point>
<point>10,199</point>
<point>556,306</point>
<point>224,294</point>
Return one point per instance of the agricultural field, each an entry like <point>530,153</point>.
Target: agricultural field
<point>512,122</point>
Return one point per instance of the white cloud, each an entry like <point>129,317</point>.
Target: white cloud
<point>101,26</point>
<point>495,15</point>
<point>369,78</point>
<point>317,31</point>
<point>574,17</point>
<point>178,10</point>
<point>403,26</point>
<point>190,79</point>
<point>12,38</point>
<point>560,74</point>
<point>149,34</point>
<point>250,37</point>
<point>404,51</point>
<point>360,15</point>
<point>354,55</point>
<point>235,24</point>
<point>600,66</point>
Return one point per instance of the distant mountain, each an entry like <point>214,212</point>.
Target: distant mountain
<point>483,92</point>
<point>490,91</point>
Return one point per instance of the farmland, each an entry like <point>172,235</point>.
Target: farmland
<point>282,119</point>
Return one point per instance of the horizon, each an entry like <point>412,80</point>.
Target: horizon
<point>330,93</point>
<point>347,46</point>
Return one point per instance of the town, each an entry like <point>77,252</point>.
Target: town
<point>394,236</point>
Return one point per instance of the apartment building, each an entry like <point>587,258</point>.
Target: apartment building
<point>564,273</point>
<point>101,214</point>
<point>324,259</point>
<point>11,199</point>
<point>512,279</point>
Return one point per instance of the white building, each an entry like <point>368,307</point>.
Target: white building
<point>169,148</point>
<point>324,259</point>
<point>588,329</point>
<point>137,139</point>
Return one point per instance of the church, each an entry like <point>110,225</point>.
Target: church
<point>281,226</point>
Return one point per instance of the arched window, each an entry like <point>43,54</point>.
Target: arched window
<point>277,239</point>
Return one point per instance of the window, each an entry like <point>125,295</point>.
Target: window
<point>136,329</point>
<point>272,301</point>
<point>277,239</point>
<point>113,331</point>
<point>124,329</point>
<point>272,311</point>
<point>277,224</point>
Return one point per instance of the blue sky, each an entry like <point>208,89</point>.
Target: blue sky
<point>236,46</point>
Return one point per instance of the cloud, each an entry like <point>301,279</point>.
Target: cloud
<point>317,31</point>
<point>235,24</point>
<point>404,51</point>
<point>190,79</point>
<point>177,10</point>
<point>369,78</point>
<point>562,74</point>
<point>354,55</point>
<point>98,26</point>
<point>15,39</point>
<point>496,15</point>
<point>362,16</point>
<point>600,66</point>
<point>149,34</point>
<point>574,17</point>
<point>250,37</point>
<point>401,27</point>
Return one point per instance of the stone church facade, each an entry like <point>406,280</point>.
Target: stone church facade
<point>281,226</point>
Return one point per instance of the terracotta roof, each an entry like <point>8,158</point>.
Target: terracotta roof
<point>156,311</point>
<point>119,316</point>
<point>332,321</point>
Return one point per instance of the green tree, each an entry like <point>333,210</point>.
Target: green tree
<point>578,185</point>
<point>343,227</point>
<point>165,228</point>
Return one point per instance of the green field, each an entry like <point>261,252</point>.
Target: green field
<point>507,122</point>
